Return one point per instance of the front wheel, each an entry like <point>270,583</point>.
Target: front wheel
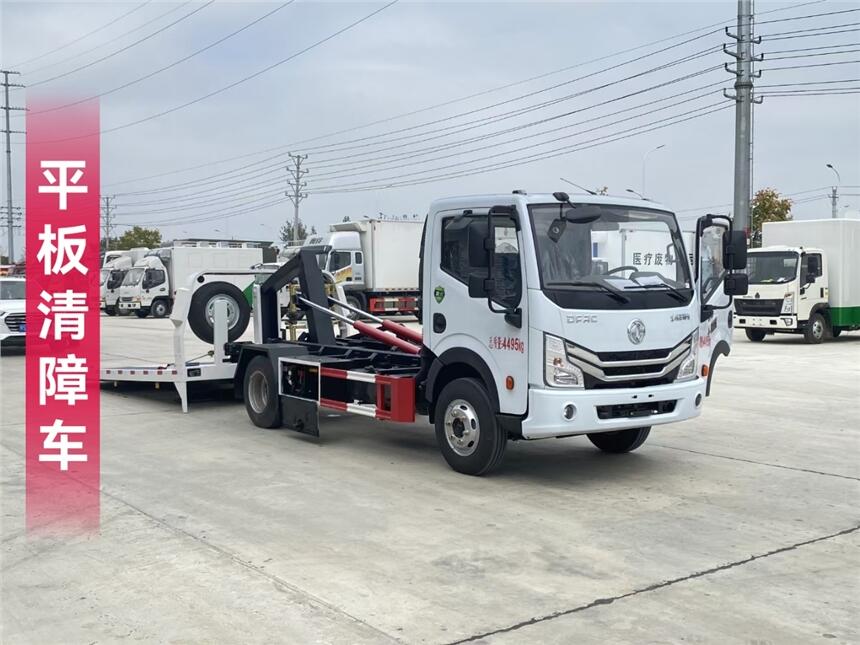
<point>160,309</point>
<point>110,311</point>
<point>620,440</point>
<point>467,431</point>
<point>755,335</point>
<point>815,330</point>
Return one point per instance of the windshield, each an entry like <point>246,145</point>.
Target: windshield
<point>771,267</point>
<point>132,277</point>
<point>12,290</point>
<point>115,279</point>
<point>596,256</point>
<point>103,275</point>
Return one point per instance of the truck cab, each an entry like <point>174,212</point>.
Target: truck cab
<point>788,293</point>
<point>563,321</point>
<point>146,288</point>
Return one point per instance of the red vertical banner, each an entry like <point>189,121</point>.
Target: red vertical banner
<point>62,255</point>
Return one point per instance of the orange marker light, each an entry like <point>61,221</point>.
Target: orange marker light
<point>509,382</point>
<point>704,370</point>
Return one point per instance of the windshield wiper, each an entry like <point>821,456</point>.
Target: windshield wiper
<point>666,287</point>
<point>620,297</point>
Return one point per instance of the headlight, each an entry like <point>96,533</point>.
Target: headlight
<point>558,371</point>
<point>788,304</point>
<point>687,371</point>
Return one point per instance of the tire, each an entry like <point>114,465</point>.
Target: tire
<point>620,440</point>
<point>160,309</point>
<point>260,393</point>
<point>467,431</point>
<point>756,335</point>
<point>110,311</point>
<point>141,313</point>
<point>201,311</point>
<point>816,329</point>
<point>355,300</point>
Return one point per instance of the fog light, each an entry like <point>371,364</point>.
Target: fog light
<point>569,411</point>
<point>788,321</point>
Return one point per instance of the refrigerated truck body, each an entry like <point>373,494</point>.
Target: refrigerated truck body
<point>376,262</point>
<point>805,279</point>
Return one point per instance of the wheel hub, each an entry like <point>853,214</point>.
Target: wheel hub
<point>232,310</point>
<point>462,430</point>
<point>258,392</point>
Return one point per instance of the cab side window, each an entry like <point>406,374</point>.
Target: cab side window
<point>506,270</point>
<point>810,267</point>
<point>153,278</point>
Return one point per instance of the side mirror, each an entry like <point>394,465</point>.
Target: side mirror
<point>481,287</point>
<point>477,237</point>
<point>735,250</point>
<point>810,278</point>
<point>736,284</point>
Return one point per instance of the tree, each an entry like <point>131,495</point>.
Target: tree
<point>767,206</point>
<point>346,218</point>
<point>291,237</point>
<point>138,236</point>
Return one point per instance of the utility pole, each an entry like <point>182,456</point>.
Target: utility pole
<point>294,181</point>
<point>834,193</point>
<point>8,130</point>
<point>107,211</point>
<point>744,100</point>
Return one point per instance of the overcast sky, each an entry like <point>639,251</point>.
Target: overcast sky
<point>412,56</point>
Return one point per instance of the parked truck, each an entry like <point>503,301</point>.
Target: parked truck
<point>150,286</point>
<point>114,267</point>
<point>376,262</point>
<point>805,279</point>
<point>525,335</point>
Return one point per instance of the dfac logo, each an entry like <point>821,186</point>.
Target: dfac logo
<point>636,331</point>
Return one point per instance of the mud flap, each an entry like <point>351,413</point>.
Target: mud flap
<point>300,415</point>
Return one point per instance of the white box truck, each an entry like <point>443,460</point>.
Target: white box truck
<point>150,286</point>
<point>114,267</point>
<point>805,279</point>
<point>376,263</point>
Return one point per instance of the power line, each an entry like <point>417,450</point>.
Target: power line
<point>67,59</point>
<point>234,83</point>
<point>126,48</point>
<point>238,192</point>
<point>86,35</point>
<point>174,63</point>
<point>468,126</point>
<point>342,146</point>
<point>444,104</point>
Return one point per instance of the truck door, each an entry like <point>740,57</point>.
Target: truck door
<point>715,328</point>
<point>460,328</point>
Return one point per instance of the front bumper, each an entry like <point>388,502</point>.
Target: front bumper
<point>783,321</point>
<point>129,306</point>
<point>546,408</point>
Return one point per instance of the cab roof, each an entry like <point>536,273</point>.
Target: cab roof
<point>524,199</point>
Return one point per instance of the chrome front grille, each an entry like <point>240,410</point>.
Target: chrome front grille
<point>126,299</point>
<point>14,322</point>
<point>631,368</point>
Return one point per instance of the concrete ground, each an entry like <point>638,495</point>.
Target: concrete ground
<point>740,526</point>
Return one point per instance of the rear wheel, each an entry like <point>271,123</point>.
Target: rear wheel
<point>620,440</point>
<point>755,335</point>
<point>467,431</point>
<point>260,393</point>
<point>816,328</point>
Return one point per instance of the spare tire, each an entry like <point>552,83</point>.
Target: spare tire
<point>202,312</point>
